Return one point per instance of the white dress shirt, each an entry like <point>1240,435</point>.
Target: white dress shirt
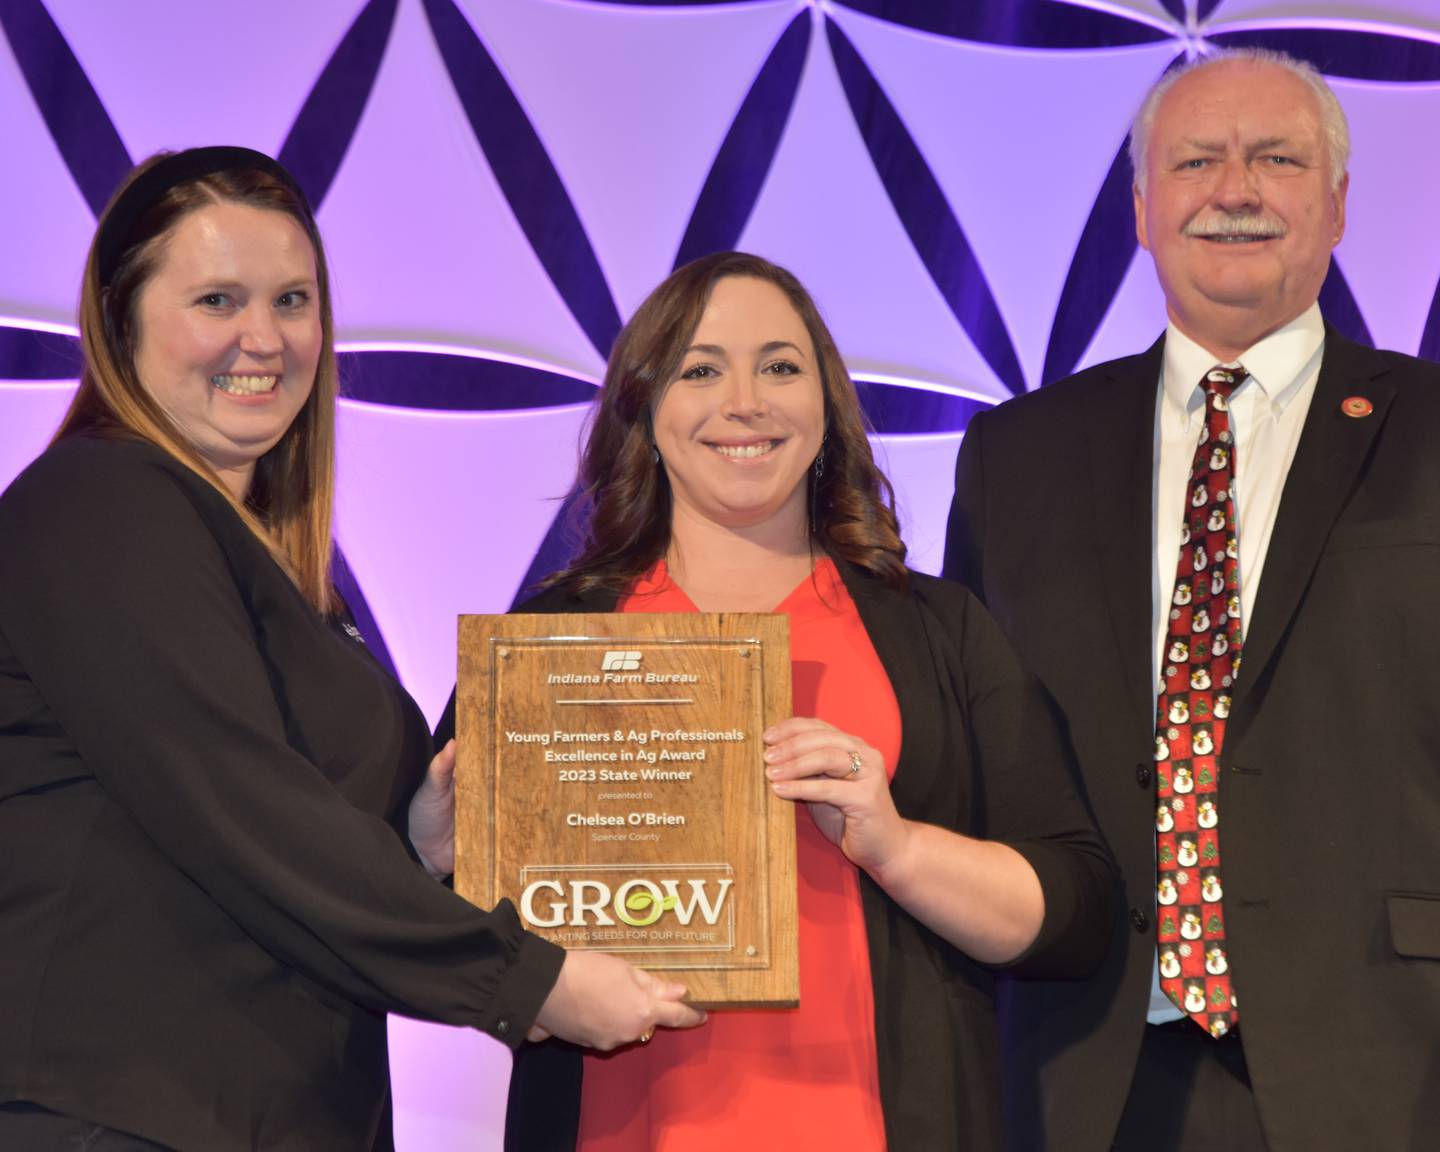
<point>1267,412</point>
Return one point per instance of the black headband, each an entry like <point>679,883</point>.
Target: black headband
<point>178,168</point>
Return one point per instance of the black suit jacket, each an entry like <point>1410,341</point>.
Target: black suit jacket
<point>980,754</point>
<point>1331,773</point>
<point>206,903</point>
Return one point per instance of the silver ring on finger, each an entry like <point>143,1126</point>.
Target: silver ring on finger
<point>855,765</point>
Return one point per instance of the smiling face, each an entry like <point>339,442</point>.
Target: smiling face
<point>740,426</point>
<point>1240,212</point>
<point>229,333</point>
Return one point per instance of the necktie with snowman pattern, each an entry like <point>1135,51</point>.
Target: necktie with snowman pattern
<point>1198,669</point>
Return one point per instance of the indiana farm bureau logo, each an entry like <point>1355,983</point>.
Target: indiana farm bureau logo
<point>620,662</point>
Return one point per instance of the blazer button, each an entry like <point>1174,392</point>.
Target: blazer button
<point>1143,775</point>
<point>1140,920</point>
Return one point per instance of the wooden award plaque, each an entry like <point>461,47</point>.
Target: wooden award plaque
<point>610,783</point>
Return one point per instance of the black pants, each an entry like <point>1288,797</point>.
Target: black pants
<point>1191,1093</point>
<point>30,1128</point>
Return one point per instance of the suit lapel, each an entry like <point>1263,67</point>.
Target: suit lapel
<point>1122,471</point>
<point>1333,449</point>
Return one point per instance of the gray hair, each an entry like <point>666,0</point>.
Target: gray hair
<point>1332,116</point>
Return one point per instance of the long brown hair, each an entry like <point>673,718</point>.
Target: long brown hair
<point>290,502</point>
<point>625,507</point>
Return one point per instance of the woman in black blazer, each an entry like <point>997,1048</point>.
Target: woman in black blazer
<point>728,468</point>
<point>216,819</point>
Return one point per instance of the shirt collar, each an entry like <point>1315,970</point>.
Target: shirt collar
<point>1277,364</point>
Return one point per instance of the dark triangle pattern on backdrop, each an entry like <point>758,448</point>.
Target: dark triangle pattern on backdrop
<point>1349,53</point>
<point>1103,256</point>
<point>526,174</point>
<point>33,354</point>
<point>325,125</point>
<point>733,185</point>
<point>924,212</point>
<point>78,123</point>
<point>1341,311</point>
<point>1022,23</point>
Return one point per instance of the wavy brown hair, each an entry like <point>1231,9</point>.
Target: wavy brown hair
<point>290,502</point>
<point>625,508</point>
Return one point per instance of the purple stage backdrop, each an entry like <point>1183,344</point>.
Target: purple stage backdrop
<point>500,182</point>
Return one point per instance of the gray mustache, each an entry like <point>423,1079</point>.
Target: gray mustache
<point>1239,225</point>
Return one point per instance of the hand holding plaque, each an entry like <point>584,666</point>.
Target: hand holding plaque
<point>610,782</point>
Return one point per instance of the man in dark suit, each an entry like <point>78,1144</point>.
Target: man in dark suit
<point>1296,1005</point>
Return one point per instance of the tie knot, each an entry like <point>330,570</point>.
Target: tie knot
<point>1223,381</point>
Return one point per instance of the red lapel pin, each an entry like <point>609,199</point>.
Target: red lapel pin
<point>1356,406</point>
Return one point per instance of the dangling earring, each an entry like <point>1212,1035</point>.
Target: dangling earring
<point>816,472</point>
<point>654,454</point>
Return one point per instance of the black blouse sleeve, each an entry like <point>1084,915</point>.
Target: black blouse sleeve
<point>1028,792</point>
<point>128,615</point>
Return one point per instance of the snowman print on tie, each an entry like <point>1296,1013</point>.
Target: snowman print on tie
<point>1202,657</point>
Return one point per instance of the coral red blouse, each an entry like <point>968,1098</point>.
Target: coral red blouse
<point>783,1078</point>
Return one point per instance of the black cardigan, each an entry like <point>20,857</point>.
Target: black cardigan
<point>206,903</point>
<point>981,753</point>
